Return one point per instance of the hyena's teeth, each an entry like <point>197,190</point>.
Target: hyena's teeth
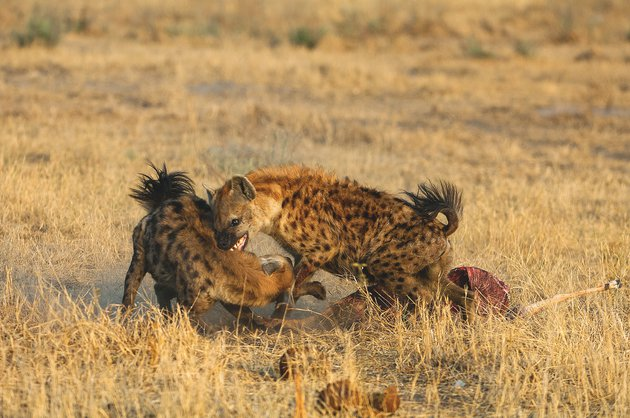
<point>240,244</point>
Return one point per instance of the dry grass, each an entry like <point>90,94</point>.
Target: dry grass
<point>538,142</point>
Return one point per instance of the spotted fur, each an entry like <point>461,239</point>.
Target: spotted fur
<point>175,243</point>
<point>339,225</point>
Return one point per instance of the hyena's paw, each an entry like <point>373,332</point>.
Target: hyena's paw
<point>315,289</point>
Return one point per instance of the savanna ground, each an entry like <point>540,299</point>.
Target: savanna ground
<point>524,105</point>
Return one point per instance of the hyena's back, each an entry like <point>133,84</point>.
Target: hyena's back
<point>340,225</point>
<point>176,244</point>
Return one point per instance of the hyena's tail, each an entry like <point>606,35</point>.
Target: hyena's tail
<point>152,192</point>
<point>432,199</point>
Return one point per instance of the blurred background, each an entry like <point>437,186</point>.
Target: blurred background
<point>328,24</point>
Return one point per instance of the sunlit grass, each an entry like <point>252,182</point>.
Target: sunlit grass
<point>537,146</point>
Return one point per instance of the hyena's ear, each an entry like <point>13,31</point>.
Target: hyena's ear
<point>211,193</point>
<point>242,185</point>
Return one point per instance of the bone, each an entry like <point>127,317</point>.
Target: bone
<point>353,308</point>
<point>536,307</point>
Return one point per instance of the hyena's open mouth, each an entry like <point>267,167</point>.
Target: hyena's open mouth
<point>241,243</point>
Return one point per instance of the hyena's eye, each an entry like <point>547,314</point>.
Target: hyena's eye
<point>236,222</point>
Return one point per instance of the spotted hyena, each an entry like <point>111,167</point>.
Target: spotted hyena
<point>337,224</point>
<point>175,243</point>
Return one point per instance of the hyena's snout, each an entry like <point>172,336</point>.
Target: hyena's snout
<point>226,240</point>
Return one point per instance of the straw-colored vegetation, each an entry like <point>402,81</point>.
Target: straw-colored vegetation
<point>524,105</point>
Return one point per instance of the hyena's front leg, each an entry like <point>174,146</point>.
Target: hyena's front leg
<point>303,286</point>
<point>136,270</point>
<point>303,272</point>
<point>194,299</point>
<point>165,294</point>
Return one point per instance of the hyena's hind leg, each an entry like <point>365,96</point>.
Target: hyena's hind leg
<point>464,298</point>
<point>244,315</point>
<point>434,278</point>
<point>437,273</point>
<point>195,315</point>
<point>137,269</point>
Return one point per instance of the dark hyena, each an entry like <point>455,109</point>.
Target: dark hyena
<point>175,243</point>
<point>336,224</point>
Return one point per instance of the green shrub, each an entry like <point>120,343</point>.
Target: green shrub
<point>306,37</point>
<point>474,49</point>
<point>41,28</point>
<point>524,48</point>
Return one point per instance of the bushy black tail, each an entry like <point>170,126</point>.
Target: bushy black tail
<point>152,192</point>
<point>432,199</point>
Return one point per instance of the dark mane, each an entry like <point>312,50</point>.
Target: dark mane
<point>152,192</point>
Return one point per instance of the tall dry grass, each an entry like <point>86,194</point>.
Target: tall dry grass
<point>539,145</point>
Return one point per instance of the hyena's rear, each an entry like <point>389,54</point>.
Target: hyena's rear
<point>176,244</point>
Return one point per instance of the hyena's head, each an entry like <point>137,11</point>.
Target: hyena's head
<point>234,213</point>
